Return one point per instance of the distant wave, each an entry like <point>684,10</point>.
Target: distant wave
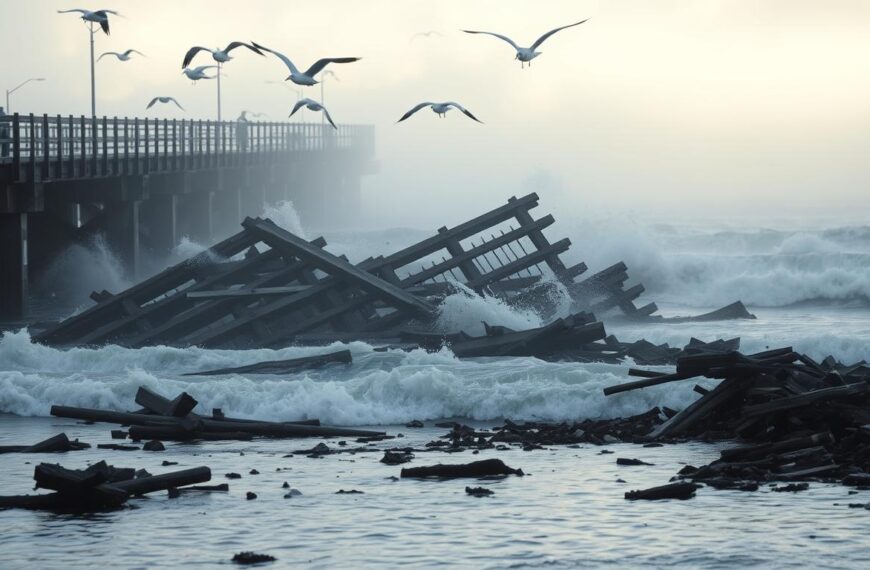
<point>763,268</point>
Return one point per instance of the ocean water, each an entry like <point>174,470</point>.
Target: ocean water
<point>809,288</point>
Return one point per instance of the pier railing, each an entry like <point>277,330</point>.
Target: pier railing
<point>55,147</point>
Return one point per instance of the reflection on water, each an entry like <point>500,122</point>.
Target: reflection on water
<point>569,511</point>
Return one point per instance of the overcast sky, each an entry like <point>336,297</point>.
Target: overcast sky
<point>710,106</point>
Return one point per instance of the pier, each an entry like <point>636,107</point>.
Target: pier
<point>145,183</point>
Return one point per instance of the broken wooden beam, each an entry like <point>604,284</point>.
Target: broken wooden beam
<point>282,366</point>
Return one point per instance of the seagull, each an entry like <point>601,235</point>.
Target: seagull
<point>197,73</point>
<point>312,105</point>
<point>306,78</point>
<point>440,109</point>
<point>100,17</point>
<point>428,34</point>
<point>526,55</point>
<point>219,55</point>
<point>125,56</point>
<point>164,100</point>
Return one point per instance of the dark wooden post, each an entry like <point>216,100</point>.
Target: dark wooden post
<point>46,149</point>
<point>105,146</point>
<point>147,162</point>
<point>138,165</point>
<point>94,142</point>
<point>83,142</point>
<point>59,165</point>
<point>126,146</point>
<point>174,144</point>
<point>31,174</point>
<point>184,140</point>
<point>115,169</point>
<point>165,144</point>
<point>16,146</point>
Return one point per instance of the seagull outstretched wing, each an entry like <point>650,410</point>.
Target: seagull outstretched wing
<point>188,57</point>
<point>465,111</point>
<point>415,109</point>
<point>279,55</point>
<point>328,118</point>
<point>543,38</point>
<point>321,63</point>
<point>499,36</point>
<point>234,45</point>
<point>299,104</point>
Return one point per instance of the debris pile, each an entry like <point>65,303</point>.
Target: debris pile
<point>174,420</point>
<point>266,287</point>
<point>797,418</point>
<point>98,487</point>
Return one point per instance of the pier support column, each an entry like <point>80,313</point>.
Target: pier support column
<point>195,217</point>
<point>122,234</point>
<point>13,265</point>
<point>227,212</point>
<point>159,223</point>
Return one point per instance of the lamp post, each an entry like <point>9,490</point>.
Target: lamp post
<point>16,88</point>
<point>322,96</point>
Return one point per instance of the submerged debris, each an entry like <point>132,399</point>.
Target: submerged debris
<point>479,491</point>
<point>98,487</point>
<point>252,558</point>
<point>59,443</point>
<point>484,468</point>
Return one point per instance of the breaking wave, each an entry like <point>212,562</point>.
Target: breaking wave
<point>378,388</point>
<point>763,268</point>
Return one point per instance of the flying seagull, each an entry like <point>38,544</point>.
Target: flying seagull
<point>197,73</point>
<point>439,109</point>
<point>306,78</point>
<point>164,100</point>
<point>123,56</point>
<point>219,55</point>
<point>428,34</point>
<point>100,17</point>
<point>527,54</point>
<point>312,105</point>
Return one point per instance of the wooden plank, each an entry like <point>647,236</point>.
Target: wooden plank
<point>462,231</point>
<point>282,366</point>
<point>515,266</point>
<point>476,251</point>
<point>146,290</point>
<point>247,292</point>
<point>280,238</point>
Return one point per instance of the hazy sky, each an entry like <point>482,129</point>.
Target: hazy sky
<point>712,106</point>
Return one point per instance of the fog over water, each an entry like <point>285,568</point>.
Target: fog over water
<point>746,112</point>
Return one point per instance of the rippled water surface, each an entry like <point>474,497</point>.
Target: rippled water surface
<point>568,511</point>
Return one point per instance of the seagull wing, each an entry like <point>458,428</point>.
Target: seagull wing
<point>105,25</point>
<point>188,57</point>
<point>543,38</point>
<point>153,101</point>
<point>499,36</point>
<point>234,45</point>
<point>414,110</point>
<point>299,104</point>
<point>321,63</point>
<point>202,68</point>
<point>177,104</point>
<point>281,56</point>
<point>79,10</point>
<point>328,118</point>
<point>129,51</point>
<point>104,54</point>
<point>465,111</point>
<point>104,12</point>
